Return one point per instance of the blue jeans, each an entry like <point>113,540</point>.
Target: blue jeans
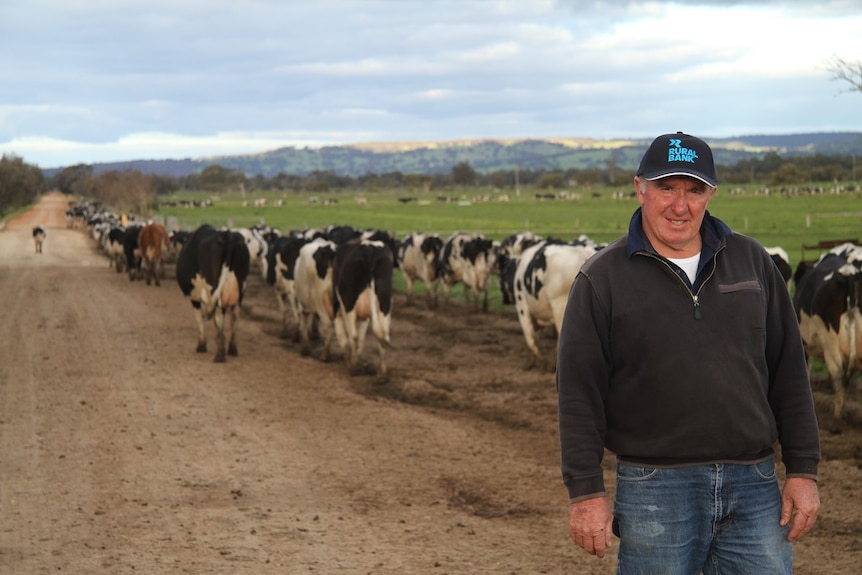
<point>716,519</point>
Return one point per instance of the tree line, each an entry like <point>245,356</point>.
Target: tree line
<point>135,192</point>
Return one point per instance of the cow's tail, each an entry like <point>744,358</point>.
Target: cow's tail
<point>227,292</point>
<point>380,320</point>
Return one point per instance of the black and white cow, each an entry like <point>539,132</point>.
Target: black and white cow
<point>388,240</point>
<point>179,239</point>
<point>469,259</point>
<point>314,294</point>
<point>39,238</point>
<point>508,253</point>
<point>782,262</point>
<point>362,281</point>
<point>115,247</point>
<point>543,278</point>
<point>257,247</point>
<point>827,302</point>
<point>418,255</point>
<point>211,270</point>
<point>281,264</point>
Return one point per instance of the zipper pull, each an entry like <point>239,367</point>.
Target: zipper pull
<point>696,307</point>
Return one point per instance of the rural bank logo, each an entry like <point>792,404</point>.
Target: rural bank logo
<point>677,153</point>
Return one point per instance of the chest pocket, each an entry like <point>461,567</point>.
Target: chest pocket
<point>739,286</point>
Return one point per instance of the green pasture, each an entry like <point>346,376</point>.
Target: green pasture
<point>789,221</point>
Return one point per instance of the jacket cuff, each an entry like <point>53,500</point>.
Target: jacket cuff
<point>801,467</point>
<point>581,488</point>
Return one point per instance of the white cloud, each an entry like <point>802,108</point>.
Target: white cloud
<point>94,79</point>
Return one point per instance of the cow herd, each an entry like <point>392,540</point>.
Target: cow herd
<point>337,283</point>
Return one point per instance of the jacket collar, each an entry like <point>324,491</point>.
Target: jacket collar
<point>713,231</point>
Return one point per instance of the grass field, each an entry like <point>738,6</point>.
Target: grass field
<point>776,220</point>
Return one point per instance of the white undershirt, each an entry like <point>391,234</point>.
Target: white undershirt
<point>688,265</point>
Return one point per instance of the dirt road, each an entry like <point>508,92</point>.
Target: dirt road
<point>124,451</point>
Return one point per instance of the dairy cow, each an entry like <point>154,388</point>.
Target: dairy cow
<point>114,247</point>
<point>314,295</point>
<point>362,282</point>
<point>469,259</point>
<point>39,238</point>
<point>508,253</point>
<point>542,281</point>
<point>418,255</point>
<point>130,249</point>
<point>281,264</point>
<point>827,302</point>
<point>257,247</point>
<point>782,262</point>
<point>211,270</point>
<point>153,244</point>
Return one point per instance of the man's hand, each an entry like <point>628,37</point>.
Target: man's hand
<point>590,524</point>
<point>800,503</point>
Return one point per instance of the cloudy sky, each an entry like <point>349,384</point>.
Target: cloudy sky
<point>88,81</point>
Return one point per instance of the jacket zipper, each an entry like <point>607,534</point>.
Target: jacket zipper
<point>695,297</point>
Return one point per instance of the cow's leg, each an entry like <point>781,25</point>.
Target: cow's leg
<point>408,280</point>
<point>380,324</point>
<point>529,330</point>
<point>234,322</point>
<point>293,309</point>
<point>304,328</point>
<point>834,360</point>
<point>840,384</point>
<point>202,338</point>
<point>381,351</point>
<point>326,329</point>
<point>351,335</point>
<point>282,308</point>
<point>219,320</point>
<point>361,332</point>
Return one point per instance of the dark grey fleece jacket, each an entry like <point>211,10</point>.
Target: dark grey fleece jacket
<point>662,372</point>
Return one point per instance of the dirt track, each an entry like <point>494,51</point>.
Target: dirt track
<point>122,450</point>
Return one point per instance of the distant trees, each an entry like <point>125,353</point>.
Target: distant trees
<point>463,174</point>
<point>75,180</point>
<point>216,178</point>
<point>129,191</point>
<point>20,183</point>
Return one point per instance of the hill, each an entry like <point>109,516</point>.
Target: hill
<point>486,155</point>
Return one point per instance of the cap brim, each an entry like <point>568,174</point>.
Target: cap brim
<point>696,175</point>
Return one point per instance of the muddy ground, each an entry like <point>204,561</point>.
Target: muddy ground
<point>124,451</point>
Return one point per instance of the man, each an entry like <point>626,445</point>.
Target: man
<point>680,352</point>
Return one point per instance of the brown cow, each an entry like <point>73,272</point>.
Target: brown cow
<point>153,243</point>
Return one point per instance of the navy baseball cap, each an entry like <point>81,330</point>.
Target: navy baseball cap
<point>678,155</point>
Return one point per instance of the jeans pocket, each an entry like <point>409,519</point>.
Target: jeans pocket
<point>635,473</point>
<point>765,470</point>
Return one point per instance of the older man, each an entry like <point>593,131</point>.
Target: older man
<point>680,352</point>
